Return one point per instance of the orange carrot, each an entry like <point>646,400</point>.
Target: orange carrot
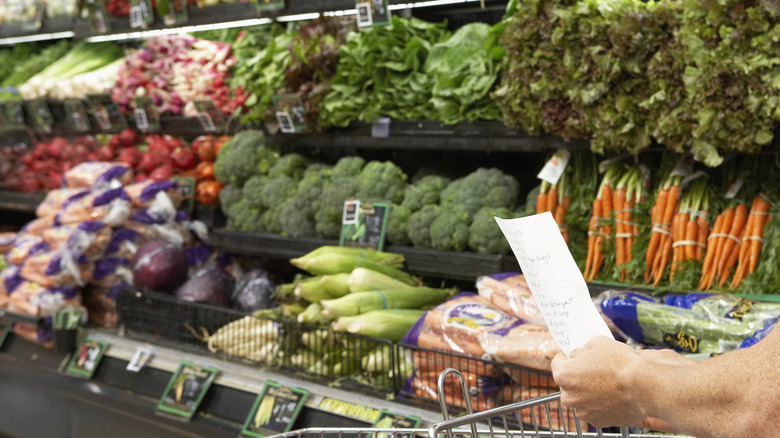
<point>721,241</point>
<point>691,233</point>
<point>552,198</point>
<point>592,230</point>
<point>712,245</point>
<point>664,260</point>
<point>733,257</point>
<point>620,205</point>
<point>762,210</point>
<point>702,232</point>
<point>541,203</point>
<point>655,237</point>
<point>740,217</point>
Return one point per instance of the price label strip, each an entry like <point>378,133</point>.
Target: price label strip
<point>185,390</point>
<point>87,357</point>
<point>389,420</point>
<point>146,117</point>
<point>106,112</point>
<point>187,188</point>
<point>275,410</point>
<point>290,113</point>
<point>38,11</point>
<point>266,5</point>
<point>99,21</point>
<point>372,13</point>
<point>77,115</point>
<point>41,114</point>
<point>174,12</point>
<point>141,13</point>
<point>209,116</point>
<point>364,223</point>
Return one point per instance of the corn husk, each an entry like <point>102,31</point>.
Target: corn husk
<point>312,314</point>
<point>390,324</point>
<point>406,298</point>
<point>336,284</point>
<point>328,264</point>
<point>385,258</point>
<point>363,279</point>
<point>312,290</point>
<point>379,360</point>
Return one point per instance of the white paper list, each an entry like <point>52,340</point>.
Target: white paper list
<point>557,285</point>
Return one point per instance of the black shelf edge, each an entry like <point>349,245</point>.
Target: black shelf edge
<point>465,266</point>
<point>19,201</point>
<point>48,25</point>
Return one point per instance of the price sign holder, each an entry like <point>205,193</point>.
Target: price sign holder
<point>389,420</point>
<point>185,391</point>
<point>209,116</point>
<point>372,13</point>
<point>4,334</point>
<point>364,223</point>
<point>267,5</point>
<point>99,21</point>
<point>141,13</point>
<point>14,112</point>
<point>39,9</point>
<point>41,114</point>
<point>187,187</point>
<point>76,113</point>
<point>106,112</point>
<point>86,359</point>
<point>139,360</point>
<point>146,117</point>
<point>275,410</point>
<point>173,12</point>
<point>290,113</point>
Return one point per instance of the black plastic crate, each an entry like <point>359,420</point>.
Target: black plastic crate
<point>489,383</point>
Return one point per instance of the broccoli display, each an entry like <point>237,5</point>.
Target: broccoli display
<point>297,216</point>
<point>253,189</point>
<point>425,191</point>
<point>419,228</point>
<point>348,167</point>
<point>450,229</point>
<point>381,181</point>
<point>397,223</point>
<point>244,156</point>
<point>292,165</point>
<point>229,195</point>
<point>329,216</point>
<point>242,216</point>
<point>485,236</point>
<point>482,188</point>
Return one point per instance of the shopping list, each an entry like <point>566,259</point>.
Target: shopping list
<point>555,281</point>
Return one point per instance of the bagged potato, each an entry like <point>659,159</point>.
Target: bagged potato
<point>111,272</point>
<point>528,345</point>
<point>97,174</point>
<point>39,225</point>
<point>56,199</point>
<point>31,298</point>
<point>57,269</point>
<point>145,192</point>
<point>90,238</point>
<point>109,206</point>
<point>7,241</point>
<point>24,246</point>
<point>510,292</point>
<point>124,243</point>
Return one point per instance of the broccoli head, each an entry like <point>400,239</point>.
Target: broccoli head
<point>278,191</point>
<point>292,165</point>
<point>242,216</point>
<point>329,215</point>
<point>297,216</point>
<point>243,156</point>
<point>381,181</point>
<point>229,195</point>
<point>348,167</point>
<point>485,236</point>
<point>424,192</point>
<point>271,220</point>
<point>397,223</point>
<point>450,229</point>
<point>253,190</point>
<point>482,188</point>
<point>419,228</point>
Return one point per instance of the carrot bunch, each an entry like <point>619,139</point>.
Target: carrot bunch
<point>690,226</point>
<point>662,214</point>
<point>599,228</point>
<point>555,199</point>
<point>629,192</point>
<point>724,246</point>
<point>752,239</point>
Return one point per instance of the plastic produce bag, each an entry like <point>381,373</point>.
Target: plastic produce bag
<point>101,304</point>
<point>56,199</point>
<point>10,279</point>
<point>111,272</point>
<point>510,292</point>
<point>123,243</point>
<point>110,206</point>
<point>528,345</point>
<point>713,324</point>
<point>31,298</point>
<point>144,193</point>
<point>25,245</point>
<point>7,241</point>
<point>58,269</point>
<point>89,238</point>
<point>98,175</point>
<point>254,291</point>
<point>33,333</point>
<point>482,390</point>
<point>39,225</point>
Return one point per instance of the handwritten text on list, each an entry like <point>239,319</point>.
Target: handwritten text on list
<point>554,279</point>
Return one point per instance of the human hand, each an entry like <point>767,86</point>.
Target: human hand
<point>596,381</point>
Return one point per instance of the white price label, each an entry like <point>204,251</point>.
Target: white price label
<point>206,123</point>
<point>285,122</point>
<point>554,168</point>
<point>141,357</point>
<point>141,122</point>
<point>734,188</point>
<point>364,15</point>
<point>136,16</point>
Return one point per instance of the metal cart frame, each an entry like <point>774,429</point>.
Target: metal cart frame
<point>492,423</point>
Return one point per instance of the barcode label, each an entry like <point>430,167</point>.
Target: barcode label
<point>285,122</point>
<point>136,16</point>
<point>206,123</point>
<point>79,124</point>
<point>102,120</point>
<point>100,22</point>
<point>141,122</point>
<point>364,15</point>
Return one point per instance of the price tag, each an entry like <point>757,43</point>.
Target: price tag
<point>98,16</point>
<point>85,360</point>
<point>187,188</point>
<point>106,112</point>
<point>349,409</point>
<point>36,21</point>
<point>186,390</point>
<point>77,115</point>
<point>265,5</point>
<point>363,224</point>
<point>42,115</point>
<point>141,357</point>
<point>146,117</point>
<point>275,410</point>
<point>372,13</point>
<point>380,128</point>
<point>290,113</point>
<point>209,116</point>
<point>4,333</point>
<point>554,168</point>
<point>734,188</point>
<point>174,12</point>
<point>14,112</point>
<point>389,420</point>
<point>141,13</point>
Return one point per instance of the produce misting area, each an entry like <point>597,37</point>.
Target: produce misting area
<point>242,218</point>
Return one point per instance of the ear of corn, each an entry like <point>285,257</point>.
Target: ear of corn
<point>312,314</point>
<point>363,279</point>
<point>312,290</point>
<point>385,258</point>
<point>361,302</point>
<point>336,284</point>
<point>390,324</point>
<point>340,264</point>
<point>378,360</point>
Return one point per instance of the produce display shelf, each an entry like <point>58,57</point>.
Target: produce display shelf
<point>465,266</point>
<point>48,25</point>
<point>20,202</point>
